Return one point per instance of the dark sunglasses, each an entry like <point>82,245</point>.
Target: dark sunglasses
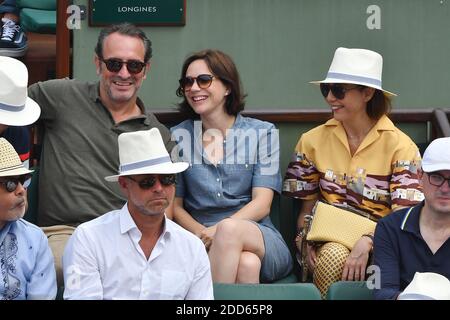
<point>437,180</point>
<point>164,179</point>
<point>203,81</point>
<point>11,183</point>
<point>115,65</point>
<point>337,90</point>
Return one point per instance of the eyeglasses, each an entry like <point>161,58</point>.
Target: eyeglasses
<point>115,65</point>
<point>337,90</point>
<point>164,179</point>
<point>437,180</point>
<point>203,81</point>
<point>11,183</point>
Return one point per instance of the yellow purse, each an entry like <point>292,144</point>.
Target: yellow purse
<point>334,224</point>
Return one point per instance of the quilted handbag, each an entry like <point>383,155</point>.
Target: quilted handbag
<point>334,224</point>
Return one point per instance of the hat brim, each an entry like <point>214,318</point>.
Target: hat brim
<point>28,115</point>
<point>165,168</point>
<point>16,172</point>
<point>332,80</point>
<point>435,167</point>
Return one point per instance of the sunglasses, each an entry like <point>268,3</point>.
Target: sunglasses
<point>437,180</point>
<point>203,81</point>
<point>164,179</point>
<point>337,90</point>
<point>115,65</point>
<point>12,183</point>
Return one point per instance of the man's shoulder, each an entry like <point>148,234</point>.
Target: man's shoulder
<point>396,218</point>
<point>101,222</point>
<point>29,229</point>
<point>60,84</point>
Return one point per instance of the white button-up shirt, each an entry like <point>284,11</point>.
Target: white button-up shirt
<point>103,260</point>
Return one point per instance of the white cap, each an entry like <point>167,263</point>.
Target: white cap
<point>437,155</point>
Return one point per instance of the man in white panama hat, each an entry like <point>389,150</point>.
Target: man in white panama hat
<point>417,239</point>
<point>17,111</point>
<point>136,252</point>
<point>27,268</point>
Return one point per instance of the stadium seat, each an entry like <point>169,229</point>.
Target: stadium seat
<point>349,290</point>
<point>38,15</point>
<point>265,291</point>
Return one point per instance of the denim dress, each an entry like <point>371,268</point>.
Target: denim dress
<point>212,193</point>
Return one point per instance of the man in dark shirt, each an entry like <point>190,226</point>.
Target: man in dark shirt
<point>417,239</point>
<point>81,122</point>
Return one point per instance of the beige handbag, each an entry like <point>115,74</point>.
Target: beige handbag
<point>334,224</point>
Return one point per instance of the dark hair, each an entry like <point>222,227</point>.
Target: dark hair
<point>126,29</point>
<point>379,105</point>
<point>223,67</point>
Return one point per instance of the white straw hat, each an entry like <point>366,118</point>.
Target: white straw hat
<point>427,286</point>
<point>16,109</point>
<point>143,152</point>
<point>437,155</point>
<point>356,66</point>
<point>10,164</point>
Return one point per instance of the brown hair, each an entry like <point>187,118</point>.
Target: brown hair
<point>379,105</point>
<point>222,67</point>
<point>126,29</point>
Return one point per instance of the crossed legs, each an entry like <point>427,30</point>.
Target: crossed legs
<point>236,252</point>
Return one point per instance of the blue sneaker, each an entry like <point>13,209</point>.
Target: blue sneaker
<point>13,41</point>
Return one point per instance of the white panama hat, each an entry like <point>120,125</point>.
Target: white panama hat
<point>16,109</point>
<point>356,66</point>
<point>427,286</point>
<point>143,152</point>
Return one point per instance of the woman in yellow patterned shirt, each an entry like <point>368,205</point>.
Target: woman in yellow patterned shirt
<point>357,160</point>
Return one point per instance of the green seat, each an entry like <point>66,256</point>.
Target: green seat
<point>265,291</point>
<point>39,21</point>
<point>349,290</point>
<point>38,15</point>
<point>37,4</point>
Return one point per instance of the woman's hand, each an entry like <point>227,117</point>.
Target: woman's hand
<point>355,266</point>
<point>207,236</point>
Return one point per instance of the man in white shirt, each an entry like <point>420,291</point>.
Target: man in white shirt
<point>136,252</point>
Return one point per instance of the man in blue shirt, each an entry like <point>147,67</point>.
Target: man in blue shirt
<point>417,239</point>
<point>27,269</point>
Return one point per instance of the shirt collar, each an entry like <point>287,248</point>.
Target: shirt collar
<point>94,94</point>
<point>127,223</point>
<point>7,228</point>
<point>383,124</point>
<point>410,222</point>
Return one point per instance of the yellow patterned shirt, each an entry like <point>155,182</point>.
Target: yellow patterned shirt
<point>380,176</point>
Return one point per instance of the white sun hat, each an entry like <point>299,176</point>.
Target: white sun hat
<point>356,66</point>
<point>10,163</point>
<point>143,152</point>
<point>16,109</point>
<point>427,286</point>
<point>437,155</point>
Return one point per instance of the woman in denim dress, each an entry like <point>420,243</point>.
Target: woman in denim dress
<point>225,196</point>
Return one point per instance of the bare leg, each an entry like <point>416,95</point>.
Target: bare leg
<point>249,268</point>
<point>232,238</point>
